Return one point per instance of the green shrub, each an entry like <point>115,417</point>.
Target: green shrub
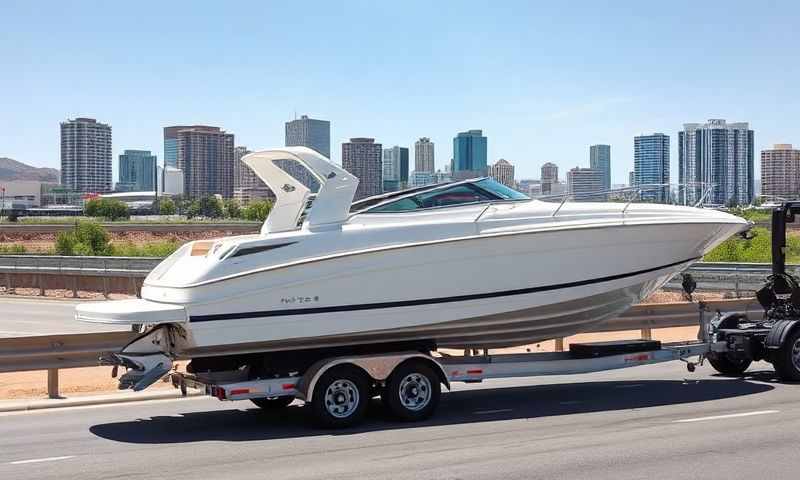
<point>258,210</point>
<point>155,249</point>
<point>13,249</point>
<point>87,238</point>
<point>232,208</point>
<point>756,250</point>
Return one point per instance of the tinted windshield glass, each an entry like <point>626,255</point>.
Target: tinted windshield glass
<point>464,193</point>
<point>501,190</point>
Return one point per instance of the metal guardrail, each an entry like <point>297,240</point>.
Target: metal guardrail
<point>50,228</point>
<point>137,267</point>
<point>53,352</point>
<point>740,278</point>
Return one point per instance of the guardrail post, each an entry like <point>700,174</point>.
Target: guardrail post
<point>40,282</point>
<point>52,383</point>
<point>75,287</point>
<point>105,287</point>
<point>9,284</point>
<point>559,344</point>
<point>647,334</point>
<point>736,283</point>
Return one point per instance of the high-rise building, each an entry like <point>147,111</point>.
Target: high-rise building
<point>651,165</point>
<point>549,177</point>
<point>247,186</point>
<point>631,179</point>
<point>469,155</point>
<point>600,159</point>
<point>311,133</point>
<point>586,184</point>
<point>362,158</point>
<point>205,155</point>
<point>420,179</point>
<point>423,156</point>
<point>137,171</point>
<point>395,169</point>
<point>503,172</point>
<point>171,143</point>
<point>172,181</point>
<point>719,155</point>
<point>780,173</point>
<point>86,156</point>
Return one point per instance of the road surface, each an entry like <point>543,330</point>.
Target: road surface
<point>643,422</point>
<point>20,317</point>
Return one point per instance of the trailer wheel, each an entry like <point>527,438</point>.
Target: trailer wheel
<point>340,397</point>
<point>726,365</point>
<point>787,359</point>
<point>272,403</point>
<point>412,392</point>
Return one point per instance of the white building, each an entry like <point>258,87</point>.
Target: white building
<point>585,183</point>
<point>424,155</point>
<point>173,181</point>
<point>420,179</point>
<point>503,172</point>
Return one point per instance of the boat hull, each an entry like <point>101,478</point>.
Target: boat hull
<point>501,291</point>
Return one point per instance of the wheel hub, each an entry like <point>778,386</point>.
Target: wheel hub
<point>415,391</point>
<point>341,398</point>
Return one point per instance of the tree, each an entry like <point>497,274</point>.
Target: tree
<point>166,207</point>
<point>258,210</point>
<point>87,238</point>
<point>232,208</point>
<point>211,207</point>
<point>107,208</point>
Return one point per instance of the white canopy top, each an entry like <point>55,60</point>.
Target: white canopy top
<point>332,203</point>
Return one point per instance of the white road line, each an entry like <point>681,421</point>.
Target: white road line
<point>38,460</point>
<point>489,412</point>
<point>720,417</point>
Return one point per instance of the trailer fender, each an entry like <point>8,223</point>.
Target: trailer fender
<point>377,367</point>
<point>779,332</point>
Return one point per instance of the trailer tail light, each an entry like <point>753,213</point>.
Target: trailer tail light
<point>218,392</point>
<point>474,372</point>
<point>239,391</point>
<point>288,386</point>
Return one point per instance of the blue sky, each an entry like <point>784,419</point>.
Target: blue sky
<point>544,80</point>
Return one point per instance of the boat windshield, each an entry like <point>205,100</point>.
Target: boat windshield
<point>484,190</point>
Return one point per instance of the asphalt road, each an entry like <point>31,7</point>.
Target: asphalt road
<point>20,317</point>
<point>644,422</point>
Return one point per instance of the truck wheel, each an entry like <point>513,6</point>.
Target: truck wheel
<point>724,364</point>
<point>787,359</point>
<point>340,397</point>
<point>412,391</point>
<point>272,403</point>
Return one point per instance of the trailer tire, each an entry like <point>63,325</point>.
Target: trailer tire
<point>786,360</point>
<point>340,397</point>
<point>272,403</point>
<point>731,367</point>
<point>412,391</point>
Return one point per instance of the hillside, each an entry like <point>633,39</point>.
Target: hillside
<point>11,169</point>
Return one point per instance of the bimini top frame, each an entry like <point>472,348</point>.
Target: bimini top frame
<point>332,202</point>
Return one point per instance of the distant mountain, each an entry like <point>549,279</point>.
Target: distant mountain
<point>11,169</point>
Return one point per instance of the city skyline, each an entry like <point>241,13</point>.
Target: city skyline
<point>531,110</point>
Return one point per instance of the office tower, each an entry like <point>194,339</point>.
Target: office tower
<point>469,155</point>
<point>503,172</point>
<point>549,177</point>
<point>586,184</point>
<point>718,155</point>
<point>780,173</point>
<point>362,158</point>
<point>311,133</point>
<point>600,159</point>
<point>247,186</point>
<point>137,171</point>
<point>171,143</point>
<point>86,156</point>
<point>651,166</point>
<point>205,155</point>
<point>395,169</point>
<point>420,179</point>
<point>423,156</point>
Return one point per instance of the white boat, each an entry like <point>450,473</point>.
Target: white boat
<point>470,264</point>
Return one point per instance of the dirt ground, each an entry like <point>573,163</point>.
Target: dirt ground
<point>45,242</point>
<point>97,380</point>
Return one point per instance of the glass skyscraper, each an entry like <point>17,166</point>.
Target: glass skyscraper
<point>651,165</point>
<point>137,171</point>
<point>395,169</point>
<point>719,155</point>
<point>469,155</point>
<point>600,159</point>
